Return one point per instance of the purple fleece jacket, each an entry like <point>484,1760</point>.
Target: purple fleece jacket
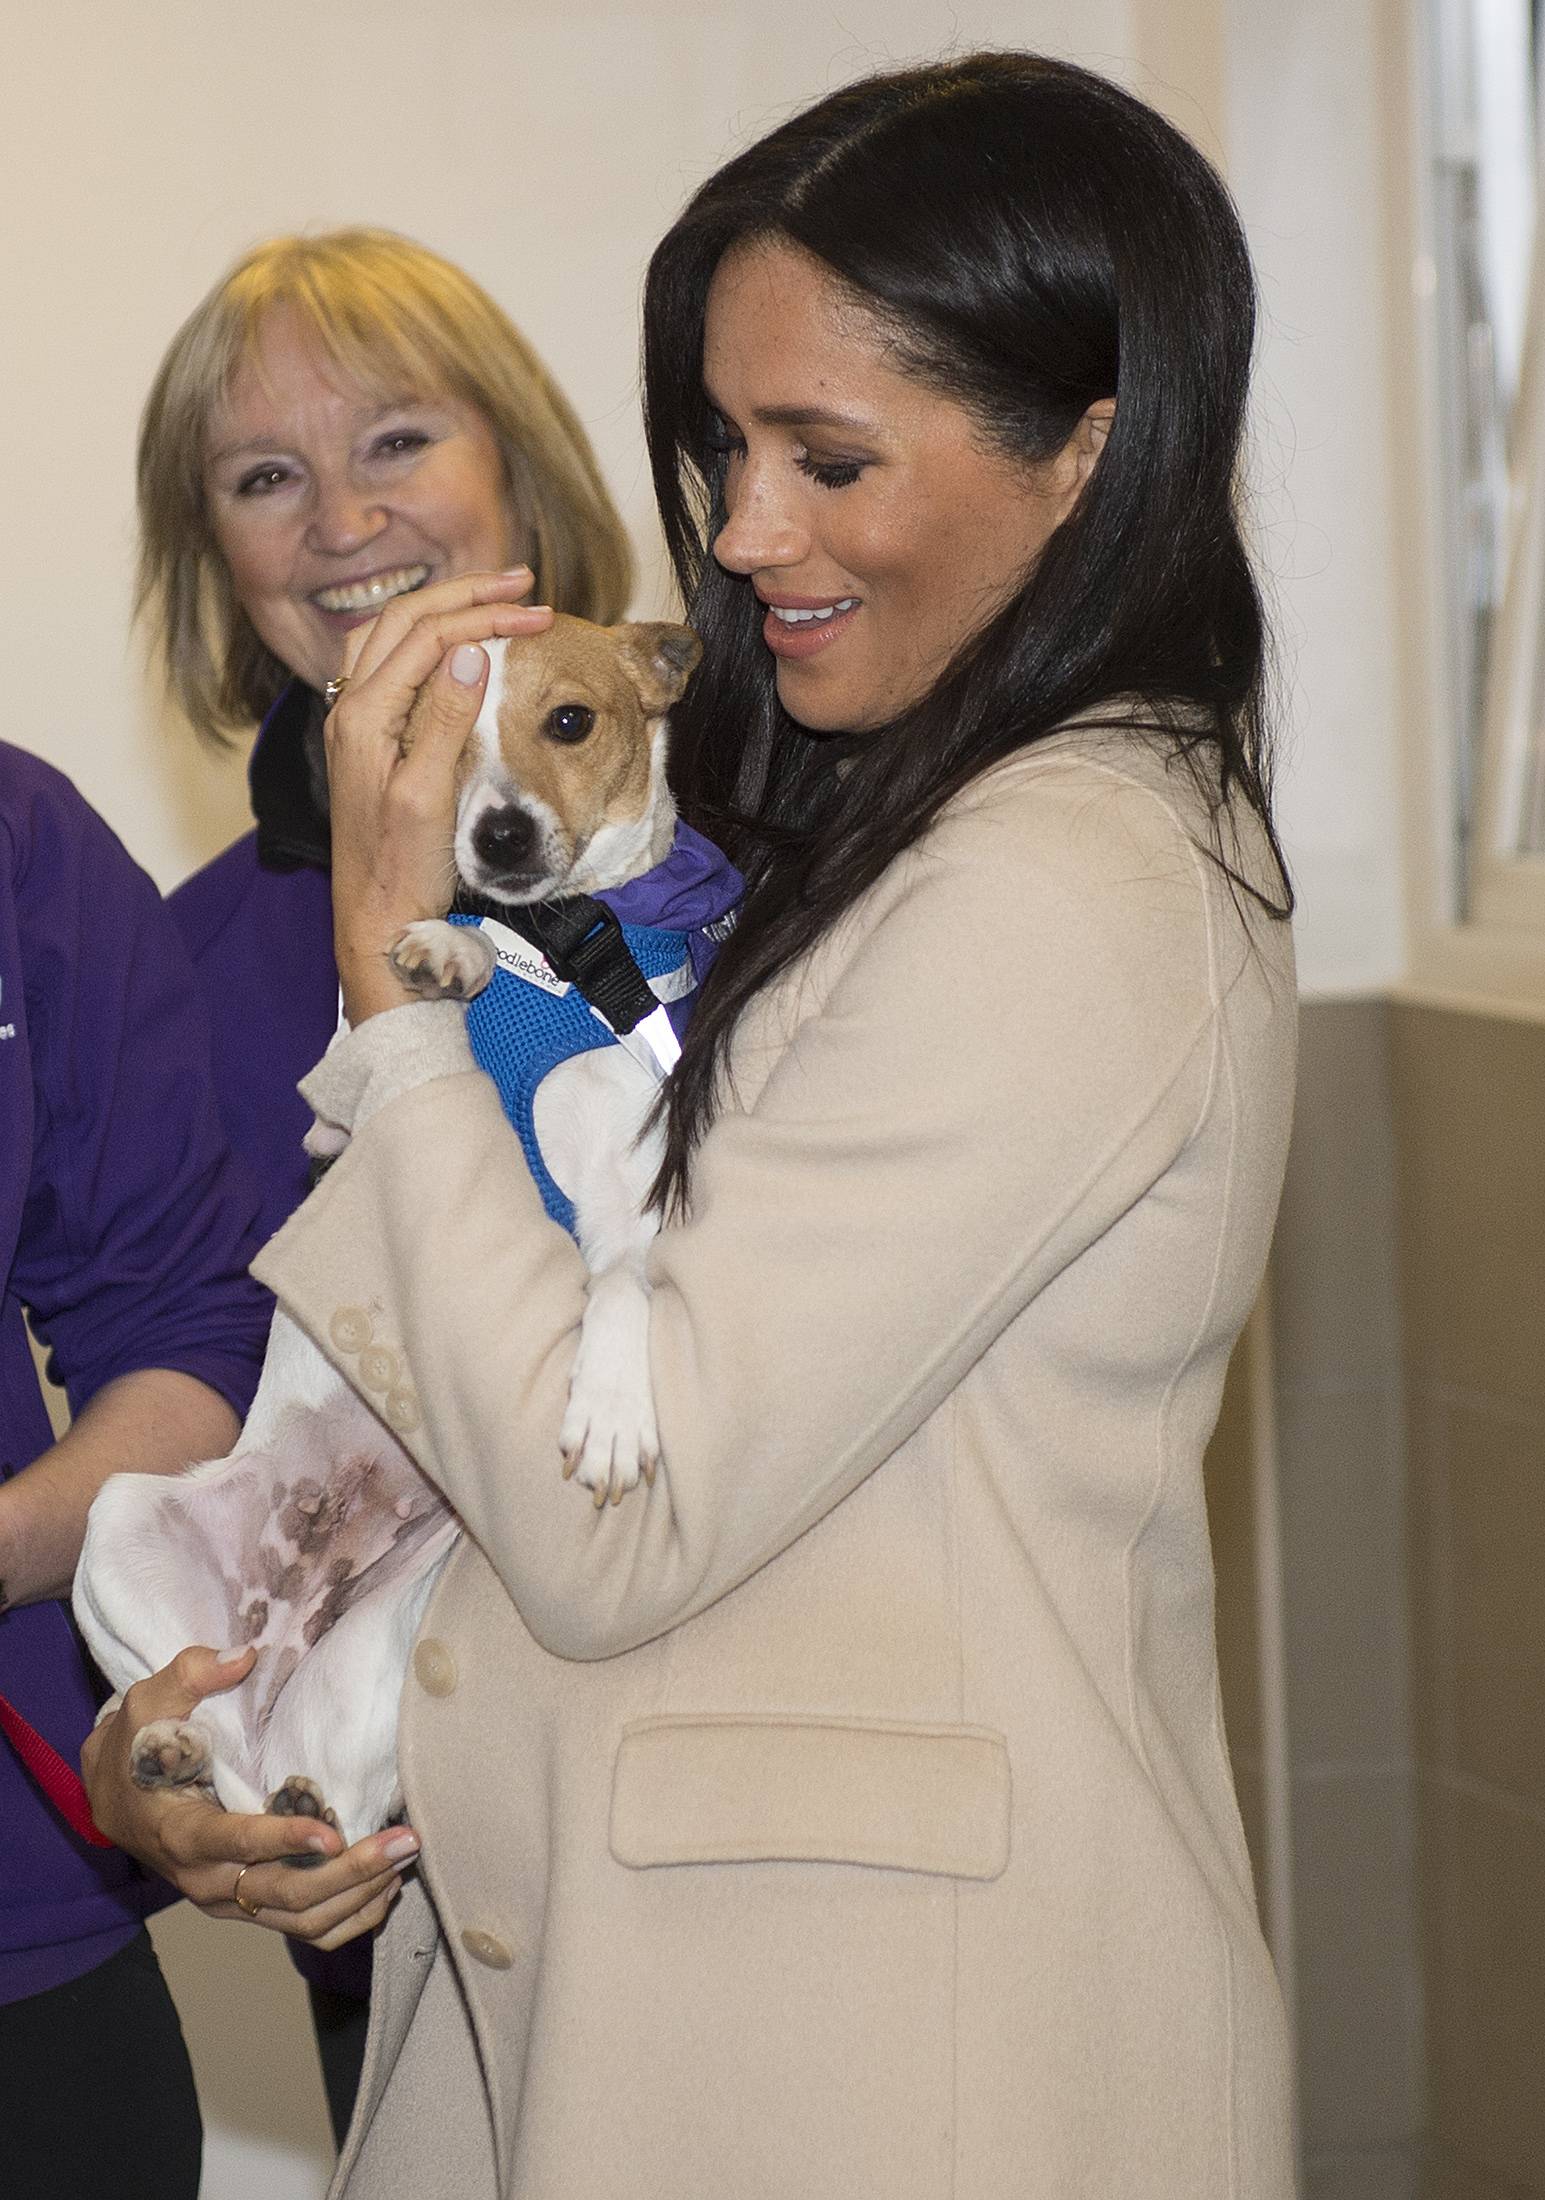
<point>125,1232</point>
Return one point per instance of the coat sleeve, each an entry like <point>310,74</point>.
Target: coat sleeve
<point>1016,1045</point>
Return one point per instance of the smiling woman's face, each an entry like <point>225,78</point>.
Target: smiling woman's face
<point>327,500</point>
<point>865,509</point>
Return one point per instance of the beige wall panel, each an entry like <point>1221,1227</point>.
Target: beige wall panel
<point>1431,1579</point>
<point>1469,1099</point>
<point>1496,1511</point>
<point>1359,2032</point>
<point>1364,2173</point>
<point>1342,1505</point>
<point>1485,1926</point>
<point>1470,1102</point>
<point>1343,1532</point>
<point>1448,2178</point>
<point>1337,1318</point>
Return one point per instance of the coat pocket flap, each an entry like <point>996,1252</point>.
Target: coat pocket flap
<point>704,1789</point>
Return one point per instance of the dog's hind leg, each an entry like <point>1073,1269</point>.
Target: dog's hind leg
<point>168,1753</point>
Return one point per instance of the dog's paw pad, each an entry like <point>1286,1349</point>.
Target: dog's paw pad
<point>167,1753</point>
<point>443,961</point>
<point>298,1797</point>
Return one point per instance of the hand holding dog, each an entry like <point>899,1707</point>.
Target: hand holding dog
<point>415,685</point>
<point>201,1849</point>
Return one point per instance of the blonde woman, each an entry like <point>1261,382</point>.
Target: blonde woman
<point>345,418</point>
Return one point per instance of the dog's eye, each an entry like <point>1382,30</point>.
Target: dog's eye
<point>569,722</point>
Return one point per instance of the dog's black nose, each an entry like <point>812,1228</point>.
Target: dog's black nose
<point>505,840</point>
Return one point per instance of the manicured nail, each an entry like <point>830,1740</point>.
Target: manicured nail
<point>320,1843</point>
<point>229,1657</point>
<point>516,573</point>
<point>400,1846</point>
<point>468,664</point>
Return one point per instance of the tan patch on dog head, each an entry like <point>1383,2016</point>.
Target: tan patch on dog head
<point>578,711</point>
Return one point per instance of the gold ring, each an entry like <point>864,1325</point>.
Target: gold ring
<point>334,689</point>
<point>247,1909</point>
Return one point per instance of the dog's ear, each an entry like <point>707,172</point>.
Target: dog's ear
<point>660,659</point>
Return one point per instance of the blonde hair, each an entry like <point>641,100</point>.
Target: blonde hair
<point>388,312</point>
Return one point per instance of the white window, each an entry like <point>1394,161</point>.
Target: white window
<point>1484,71</point>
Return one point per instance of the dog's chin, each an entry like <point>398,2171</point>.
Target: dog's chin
<point>516,889</point>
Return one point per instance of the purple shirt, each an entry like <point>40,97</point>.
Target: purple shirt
<point>125,1232</point>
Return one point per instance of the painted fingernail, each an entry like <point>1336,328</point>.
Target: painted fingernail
<point>400,1846</point>
<point>468,664</point>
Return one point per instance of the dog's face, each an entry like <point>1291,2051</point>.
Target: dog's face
<point>562,787</point>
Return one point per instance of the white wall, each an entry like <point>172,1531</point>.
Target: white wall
<point>1308,89</point>
<point>142,148</point>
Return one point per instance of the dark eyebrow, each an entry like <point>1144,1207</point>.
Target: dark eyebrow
<point>801,416</point>
<point>809,416</point>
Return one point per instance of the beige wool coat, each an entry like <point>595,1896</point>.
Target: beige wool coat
<point>848,1817</point>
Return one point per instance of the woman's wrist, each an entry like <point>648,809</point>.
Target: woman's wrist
<point>369,983</point>
<point>20,1579</point>
<point>8,1549</point>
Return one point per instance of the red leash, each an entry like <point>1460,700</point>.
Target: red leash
<point>59,1783</point>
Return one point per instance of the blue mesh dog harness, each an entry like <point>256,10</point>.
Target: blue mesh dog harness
<point>527,1020</point>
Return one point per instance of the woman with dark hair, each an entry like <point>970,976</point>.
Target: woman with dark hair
<point>850,1813</point>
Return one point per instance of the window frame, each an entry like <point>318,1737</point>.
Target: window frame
<point>1509,881</point>
<point>1475,912</point>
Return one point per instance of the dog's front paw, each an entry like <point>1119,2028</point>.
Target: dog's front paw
<point>609,1438</point>
<point>167,1753</point>
<point>444,962</point>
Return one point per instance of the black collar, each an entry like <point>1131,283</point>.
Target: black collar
<point>582,940</point>
<point>288,778</point>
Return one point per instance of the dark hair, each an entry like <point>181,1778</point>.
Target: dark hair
<point>1030,239</point>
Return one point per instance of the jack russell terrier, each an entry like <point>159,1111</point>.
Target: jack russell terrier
<point>317,1541</point>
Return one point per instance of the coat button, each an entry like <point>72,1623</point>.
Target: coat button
<point>484,1948</point>
<point>350,1329</point>
<point>400,1409</point>
<point>434,1667</point>
<point>379,1368</point>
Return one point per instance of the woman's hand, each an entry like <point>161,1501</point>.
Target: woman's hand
<point>415,685</point>
<point>201,1848</point>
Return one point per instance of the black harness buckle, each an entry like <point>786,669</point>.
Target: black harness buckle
<point>583,941</point>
